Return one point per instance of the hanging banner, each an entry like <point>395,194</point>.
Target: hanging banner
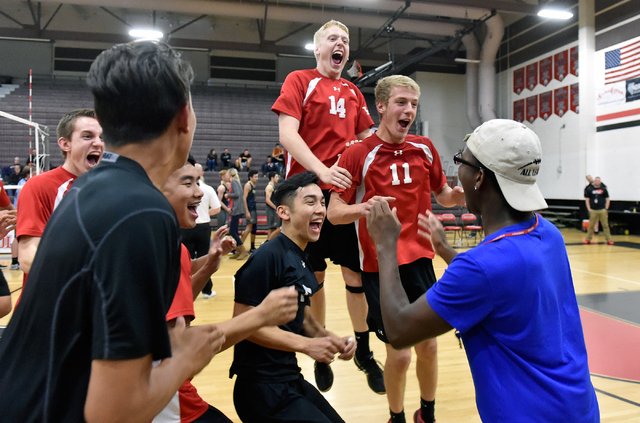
<point>532,76</point>
<point>545,71</point>
<point>518,80</point>
<point>611,94</point>
<point>574,67</point>
<point>575,99</point>
<point>518,111</point>
<point>633,89</point>
<point>561,101</point>
<point>545,105</point>
<point>532,108</point>
<point>560,62</point>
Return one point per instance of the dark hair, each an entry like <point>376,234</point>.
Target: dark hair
<point>191,160</point>
<point>138,89</point>
<point>271,174</point>
<point>287,189</point>
<point>252,172</point>
<point>67,124</point>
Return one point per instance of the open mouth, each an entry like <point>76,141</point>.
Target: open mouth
<point>193,209</point>
<point>316,226</point>
<point>404,124</point>
<point>93,158</point>
<point>337,57</point>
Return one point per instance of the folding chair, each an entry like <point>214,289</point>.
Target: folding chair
<point>450,224</point>
<point>469,223</point>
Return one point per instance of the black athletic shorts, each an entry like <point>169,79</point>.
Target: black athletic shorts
<point>416,277</point>
<point>212,415</point>
<point>293,401</point>
<point>337,242</point>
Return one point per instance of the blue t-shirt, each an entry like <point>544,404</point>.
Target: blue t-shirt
<point>514,304</point>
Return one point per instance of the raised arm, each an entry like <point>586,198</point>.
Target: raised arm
<point>341,213</point>
<point>298,148</point>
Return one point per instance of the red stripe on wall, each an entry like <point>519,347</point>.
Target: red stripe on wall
<point>617,115</point>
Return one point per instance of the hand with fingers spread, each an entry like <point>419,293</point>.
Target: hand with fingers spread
<point>280,306</point>
<point>7,221</point>
<point>195,345</point>
<point>383,225</point>
<point>221,244</point>
<point>336,175</point>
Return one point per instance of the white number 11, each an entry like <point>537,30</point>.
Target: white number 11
<point>394,174</point>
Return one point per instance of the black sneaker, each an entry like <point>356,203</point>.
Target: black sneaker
<point>324,376</point>
<point>253,250</point>
<point>375,375</point>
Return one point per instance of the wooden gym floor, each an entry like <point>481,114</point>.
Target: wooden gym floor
<point>607,282</point>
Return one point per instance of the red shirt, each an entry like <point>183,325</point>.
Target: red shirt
<point>39,197</point>
<point>187,405</point>
<point>409,172</point>
<point>4,198</point>
<point>331,113</point>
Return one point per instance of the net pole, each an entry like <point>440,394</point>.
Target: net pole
<point>31,120</point>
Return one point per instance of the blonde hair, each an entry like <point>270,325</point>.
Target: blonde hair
<point>234,174</point>
<point>223,172</point>
<point>317,37</point>
<point>385,85</point>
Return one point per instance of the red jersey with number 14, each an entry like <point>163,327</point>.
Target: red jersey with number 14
<point>409,172</point>
<point>331,113</point>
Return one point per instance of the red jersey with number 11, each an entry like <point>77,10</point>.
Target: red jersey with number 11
<point>409,172</point>
<point>331,113</point>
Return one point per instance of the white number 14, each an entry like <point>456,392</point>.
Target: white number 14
<point>339,109</point>
<point>394,174</point>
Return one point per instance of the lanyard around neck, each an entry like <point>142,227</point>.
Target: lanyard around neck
<point>522,232</point>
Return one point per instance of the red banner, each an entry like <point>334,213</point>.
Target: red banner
<point>574,64</point>
<point>561,101</point>
<point>518,111</point>
<point>545,105</point>
<point>575,98</point>
<point>532,76</point>
<point>545,71</point>
<point>518,80</point>
<point>532,108</point>
<point>560,62</point>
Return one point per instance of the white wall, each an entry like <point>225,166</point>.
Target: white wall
<point>443,103</point>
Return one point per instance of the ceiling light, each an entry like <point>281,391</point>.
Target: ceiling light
<point>555,14</point>
<point>310,46</point>
<point>461,60</point>
<point>147,34</point>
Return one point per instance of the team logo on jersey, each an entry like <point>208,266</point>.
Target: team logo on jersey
<point>307,290</point>
<point>366,110</point>
<point>397,153</point>
<point>336,89</point>
<point>304,266</point>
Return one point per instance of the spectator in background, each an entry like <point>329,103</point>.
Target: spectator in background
<point>223,196</point>
<point>237,211</point>
<point>598,202</point>
<point>212,160</point>
<point>16,162</point>
<point>278,157</point>
<point>13,178</point>
<point>244,161</point>
<point>251,208</point>
<point>269,166</point>
<point>225,158</point>
<point>24,177</point>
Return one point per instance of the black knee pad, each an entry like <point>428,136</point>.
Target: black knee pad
<point>355,289</point>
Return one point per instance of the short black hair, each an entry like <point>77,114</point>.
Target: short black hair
<point>252,172</point>
<point>287,189</point>
<point>191,160</point>
<point>271,174</point>
<point>138,89</point>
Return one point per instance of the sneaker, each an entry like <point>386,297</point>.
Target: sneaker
<point>586,241</point>
<point>14,266</point>
<point>253,250</point>
<point>211,295</point>
<point>417,417</point>
<point>324,376</point>
<point>375,376</point>
<point>2,266</point>
<point>609,242</point>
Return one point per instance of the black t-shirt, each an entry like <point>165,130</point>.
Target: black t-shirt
<point>225,157</point>
<point>278,263</point>
<point>244,157</point>
<point>101,283</point>
<point>4,286</point>
<point>597,196</point>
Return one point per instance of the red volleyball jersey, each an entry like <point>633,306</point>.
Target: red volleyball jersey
<point>331,113</point>
<point>409,172</point>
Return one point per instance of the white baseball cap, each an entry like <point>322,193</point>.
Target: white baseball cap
<point>512,151</point>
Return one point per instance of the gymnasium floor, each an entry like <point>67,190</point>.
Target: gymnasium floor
<point>607,282</point>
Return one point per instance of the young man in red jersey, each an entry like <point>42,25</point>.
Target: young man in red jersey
<point>395,166</point>
<point>184,195</point>
<point>319,115</point>
<point>80,141</point>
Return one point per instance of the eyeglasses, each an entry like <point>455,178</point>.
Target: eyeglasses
<point>457,159</point>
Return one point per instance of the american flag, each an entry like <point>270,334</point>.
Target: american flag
<point>622,63</point>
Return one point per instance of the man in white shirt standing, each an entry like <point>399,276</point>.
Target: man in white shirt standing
<point>197,239</point>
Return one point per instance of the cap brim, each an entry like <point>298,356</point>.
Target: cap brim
<point>522,197</point>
